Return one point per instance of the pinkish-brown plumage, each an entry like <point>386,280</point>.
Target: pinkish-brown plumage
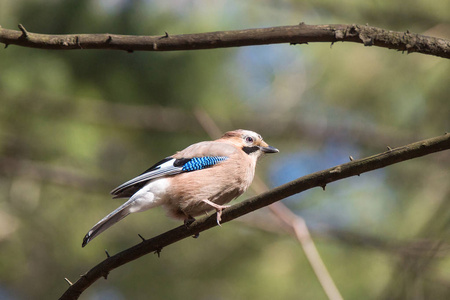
<point>203,177</point>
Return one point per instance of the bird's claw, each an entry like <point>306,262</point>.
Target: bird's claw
<point>218,208</point>
<point>188,221</point>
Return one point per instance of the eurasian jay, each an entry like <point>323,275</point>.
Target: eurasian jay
<point>194,181</point>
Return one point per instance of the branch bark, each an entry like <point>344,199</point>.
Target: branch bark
<point>298,34</point>
<point>317,179</point>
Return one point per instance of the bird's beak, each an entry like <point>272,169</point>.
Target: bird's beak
<point>269,149</point>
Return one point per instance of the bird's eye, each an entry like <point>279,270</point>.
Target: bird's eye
<point>249,139</point>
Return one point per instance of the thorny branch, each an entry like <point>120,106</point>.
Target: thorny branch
<point>297,34</point>
<point>317,179</point>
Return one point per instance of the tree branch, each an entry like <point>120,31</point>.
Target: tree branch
<point>298,34</point>
<point>317,179</point>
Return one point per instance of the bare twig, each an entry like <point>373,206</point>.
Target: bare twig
<point>68,281</point>
<point>298,34</point>
<point>302,234</point>
<point>208,123</point>
<point>316,262</point>
<point>24,31</point>
<point>316,179</point>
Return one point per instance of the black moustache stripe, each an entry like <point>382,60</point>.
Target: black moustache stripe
<point>250,150</point>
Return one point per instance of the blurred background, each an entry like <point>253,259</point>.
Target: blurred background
<point>75,124</point>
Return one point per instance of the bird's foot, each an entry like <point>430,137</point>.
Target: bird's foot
<point>188,221</point>
<point>218,208</point>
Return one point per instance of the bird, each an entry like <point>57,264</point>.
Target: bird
<point>203,177</point>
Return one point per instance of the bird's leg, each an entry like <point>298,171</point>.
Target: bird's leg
<point>218,208</point>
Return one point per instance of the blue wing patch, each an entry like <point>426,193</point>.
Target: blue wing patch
<point>198,163</point>
<point>166,167</point>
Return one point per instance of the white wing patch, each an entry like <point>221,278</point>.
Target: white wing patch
<point>164,169</point>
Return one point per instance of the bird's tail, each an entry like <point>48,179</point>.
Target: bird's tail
<point>114,217</point>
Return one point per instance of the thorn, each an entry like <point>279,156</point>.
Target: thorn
<point>351,158</point>
<point>105,275</point>
<point>130,51</point>
<point>78,42</point>
<point>389,148</point>
<point>158,252</point>
<point>107,254</point>
<point>24,31</point>
<point>68,281</point>
<point>6,46</point>
<point>109,39</point>
<point>301,23</point>
<point>189,221</point>
<point>141,237</point>
<point>195,236</point>
<point>323,187</point>
<point>86,240</point>
<point>167,35</point>
<point>292,44</point>
<point>407,31</point>
<point>331,45</point>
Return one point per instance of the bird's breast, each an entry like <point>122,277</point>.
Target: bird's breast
<point>219,184</point>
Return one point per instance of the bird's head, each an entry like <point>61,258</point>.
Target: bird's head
<point>250,142</point>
